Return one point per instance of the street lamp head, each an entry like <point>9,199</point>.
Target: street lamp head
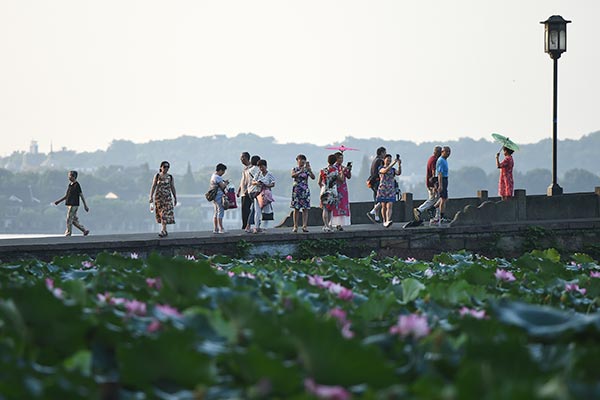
<point>555,38</point>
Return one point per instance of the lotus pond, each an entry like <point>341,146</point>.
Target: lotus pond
<point>458,327</point>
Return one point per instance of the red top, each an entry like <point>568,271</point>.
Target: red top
<point>430,170</point>
<point>505,183</point>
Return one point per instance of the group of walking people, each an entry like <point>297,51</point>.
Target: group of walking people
<point>256,198</point>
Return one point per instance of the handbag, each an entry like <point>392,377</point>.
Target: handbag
<point>211,194</point>
<point>267,216</point>
<point>265,197</point>
<point>225,201</point>
<point>230,194</point>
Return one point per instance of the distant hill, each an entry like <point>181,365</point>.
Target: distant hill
<point>204,152</point>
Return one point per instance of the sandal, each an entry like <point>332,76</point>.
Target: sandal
<point>162,234</point>
<point>294,230</point>
<point>304,229</point>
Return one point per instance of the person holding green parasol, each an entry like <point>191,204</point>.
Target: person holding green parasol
<point>505,183</point>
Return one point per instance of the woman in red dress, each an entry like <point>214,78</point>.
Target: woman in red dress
<point>506,184</point>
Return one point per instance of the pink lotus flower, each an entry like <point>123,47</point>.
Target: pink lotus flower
<point>504,275</point>
<point>318,281</point>
<point>594,274</point>
<point>154,326</point>
<point>346,332</point>
<point>345,294</point>
<point>168,310</point>
<point>231,274</point>
<point>411,260</point>
<point>190,257</point>
<point>155,283</point>
<point>326,392</point>
<point>477,314</point>
<point>49,283</point>
<point>573,287</point>
<point>108,299</point>
<point>340,291</point>
<point>576,265</point>
<point>134,256</point>
<point>289,258</point>
<point>395,280</point>
<point>340,316</point>
<point>57,292</point>
<point>87,264</point>
<point>335,288</point>
<point>135,307</point>
<point>412,324</point>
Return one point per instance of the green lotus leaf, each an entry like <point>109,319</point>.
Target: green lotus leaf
<point>410,289</point>
<point>545,322</point>
<point>163,360</point>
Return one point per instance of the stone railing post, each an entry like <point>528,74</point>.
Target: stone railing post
<point>521,199</point>
<point>597,191</point>
<point>483,196</point>
<point>407,198</point>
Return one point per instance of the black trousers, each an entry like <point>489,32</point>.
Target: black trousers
<point>246,204</point>
<point>374,189</point>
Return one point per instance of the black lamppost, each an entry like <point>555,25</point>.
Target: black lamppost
<point>555,43</point>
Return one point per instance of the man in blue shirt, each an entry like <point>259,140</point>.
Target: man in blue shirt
<point>441,169</point>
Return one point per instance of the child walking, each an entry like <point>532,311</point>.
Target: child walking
<point>71,199</point>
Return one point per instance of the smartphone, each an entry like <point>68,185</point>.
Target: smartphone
<point>349,164</point>
<point>397,156</point>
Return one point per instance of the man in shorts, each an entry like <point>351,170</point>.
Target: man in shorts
<point>432,186</point>
<point>441,169</point>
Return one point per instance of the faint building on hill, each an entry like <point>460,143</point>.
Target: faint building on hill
<point>33,147</point>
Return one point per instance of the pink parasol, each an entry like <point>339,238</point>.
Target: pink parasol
<point>341,148</point>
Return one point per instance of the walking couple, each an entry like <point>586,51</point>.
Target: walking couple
<point>436,180</point>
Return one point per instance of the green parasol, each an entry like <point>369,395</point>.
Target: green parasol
<point>505,142</point>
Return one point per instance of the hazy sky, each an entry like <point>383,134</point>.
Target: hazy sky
<point>81,73</point>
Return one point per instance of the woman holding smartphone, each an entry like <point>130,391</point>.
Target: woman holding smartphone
<point>386,193</point>
<point>341,212</point>
<point>301,192</point>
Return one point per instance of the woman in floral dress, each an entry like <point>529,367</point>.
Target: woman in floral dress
<point>329,178</point>
<point>505,184</point>
<point>301,192</point>
<point>386,194</point>
<point>341,212</point>
<point>160,194</point>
